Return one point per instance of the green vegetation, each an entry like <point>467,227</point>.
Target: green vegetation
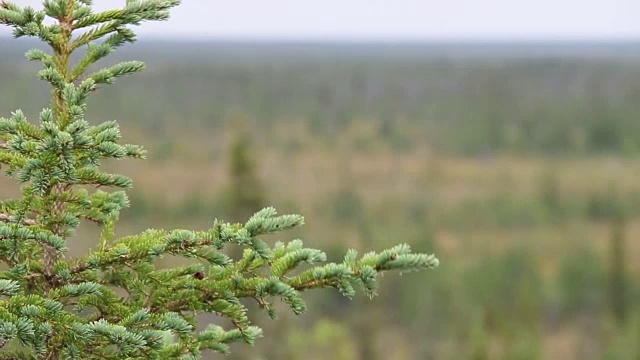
<point>117,300</point>
<point>519,170</point>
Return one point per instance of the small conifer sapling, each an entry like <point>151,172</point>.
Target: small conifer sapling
<point>114,302</point>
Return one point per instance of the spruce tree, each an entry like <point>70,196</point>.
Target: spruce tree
<point>246,192</point>
<point>115,302</point>
<point>618,271</point>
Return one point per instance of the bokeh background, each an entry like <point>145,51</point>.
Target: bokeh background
<point>503,137</point>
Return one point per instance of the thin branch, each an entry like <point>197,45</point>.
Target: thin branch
<point>9,218</point>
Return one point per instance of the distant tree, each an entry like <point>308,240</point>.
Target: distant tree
<point>617,294</point>
<point>246,192</point>
<point>115,302</point>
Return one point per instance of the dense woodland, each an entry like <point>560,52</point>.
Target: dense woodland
<point>516,164</point>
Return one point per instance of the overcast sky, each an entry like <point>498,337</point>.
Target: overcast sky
<point>396,19</point>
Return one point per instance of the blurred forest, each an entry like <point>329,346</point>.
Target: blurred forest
<point>515,163</point>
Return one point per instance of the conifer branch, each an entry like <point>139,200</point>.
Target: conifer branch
<point>74,308</point>
<point>9,218</point>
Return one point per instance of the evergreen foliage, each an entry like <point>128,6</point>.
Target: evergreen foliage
<point>115,302</point>
<point>245,191</point>
<point>618,271</point>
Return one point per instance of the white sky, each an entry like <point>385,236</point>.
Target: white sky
<point>395,19</point>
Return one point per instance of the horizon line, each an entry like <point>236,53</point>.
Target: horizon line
<point>373,40</point>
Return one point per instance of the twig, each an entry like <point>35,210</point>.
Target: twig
<point>9,218</point>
